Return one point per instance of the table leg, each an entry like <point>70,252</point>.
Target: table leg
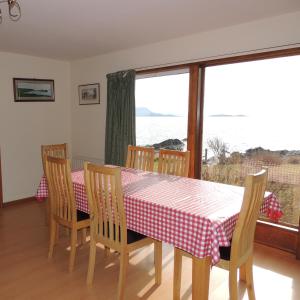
<point>177,273</point>
<point>200,281</point>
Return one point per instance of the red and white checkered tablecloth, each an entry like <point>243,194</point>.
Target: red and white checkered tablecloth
<point>194,215</point>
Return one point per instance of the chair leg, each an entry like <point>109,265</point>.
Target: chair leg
<point>177,274</point>
<point>67,231</point>
<point>73,249</point>
<point>83,235</point>
<point>158,261</point>
<point>53,227</point>
<point>47,212</point>
<point>249,278</point>
<point>92,259</point>
<point>233,288</point>
<point>124,257</point>
<point>242,272</point>
<point>106,251</point>
<point>57,233</point>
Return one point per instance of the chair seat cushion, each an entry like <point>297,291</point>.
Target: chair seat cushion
<point>132,236</point>
<point>225,252</point>
<point>82,216</point>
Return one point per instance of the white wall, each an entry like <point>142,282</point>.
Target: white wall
<point>88,123</point>
<point>25,126</point>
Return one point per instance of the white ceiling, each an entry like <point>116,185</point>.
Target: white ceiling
<point>75,29</point>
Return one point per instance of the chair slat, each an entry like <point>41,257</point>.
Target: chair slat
<point>108,224</point>
<point>62,199</point>
<point>141,158</point>
<point>173,162</point>
<point>241,251</point>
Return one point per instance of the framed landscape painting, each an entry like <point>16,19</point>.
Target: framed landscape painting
<point>33,90</point>
<point>89,94</point>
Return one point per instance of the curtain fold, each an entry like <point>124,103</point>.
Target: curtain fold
<point>120,116</point>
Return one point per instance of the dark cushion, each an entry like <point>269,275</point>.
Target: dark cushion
<point>82,216</point>
<point>132,236</point>
<point>225,252</point>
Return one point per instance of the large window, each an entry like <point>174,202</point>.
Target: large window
<point>251,117</point>
<point>162,110</point>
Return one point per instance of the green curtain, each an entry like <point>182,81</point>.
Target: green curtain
<point>120,116</point>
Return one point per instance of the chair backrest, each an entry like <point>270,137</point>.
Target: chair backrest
<point>60,188</point>
<point>243,235</point>
<point>174,162</point>
<point>141,158</point>
<point>106,204</point>
<point>58,150</point>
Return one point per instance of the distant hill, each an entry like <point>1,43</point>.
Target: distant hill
<point>223,115</point>
<point>145,112</point>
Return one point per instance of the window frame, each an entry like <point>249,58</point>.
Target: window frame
<point>286,237</point>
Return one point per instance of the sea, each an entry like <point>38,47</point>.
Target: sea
<point>239,133</point>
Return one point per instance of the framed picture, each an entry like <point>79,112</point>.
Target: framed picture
<point>89,94</point>
<point>33,90</point>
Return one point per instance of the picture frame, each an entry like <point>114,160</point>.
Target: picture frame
<point>33,90</point>
<point>89,94</point>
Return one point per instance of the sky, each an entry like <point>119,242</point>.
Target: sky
<point>164,94</point>
<point>258,88</point>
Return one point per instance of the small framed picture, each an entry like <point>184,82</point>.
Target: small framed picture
<point>33,90</point>
<point>89,94</point>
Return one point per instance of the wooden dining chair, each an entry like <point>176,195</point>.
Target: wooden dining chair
<point>63,205</point>
<point>56,150</point>
<point>239,255</point>
<point>141,158</point>
<point>108,222</point>
<point>174,162</point>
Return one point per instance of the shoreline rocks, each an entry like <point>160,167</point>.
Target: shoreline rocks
<point>260,150</point>
<point>171,144</point>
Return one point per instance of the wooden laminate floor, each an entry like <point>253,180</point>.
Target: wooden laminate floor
<point>26,273</point>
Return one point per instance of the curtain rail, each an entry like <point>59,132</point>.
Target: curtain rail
<point>185,63</point>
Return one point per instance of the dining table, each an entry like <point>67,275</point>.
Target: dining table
<point>194,215</point>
